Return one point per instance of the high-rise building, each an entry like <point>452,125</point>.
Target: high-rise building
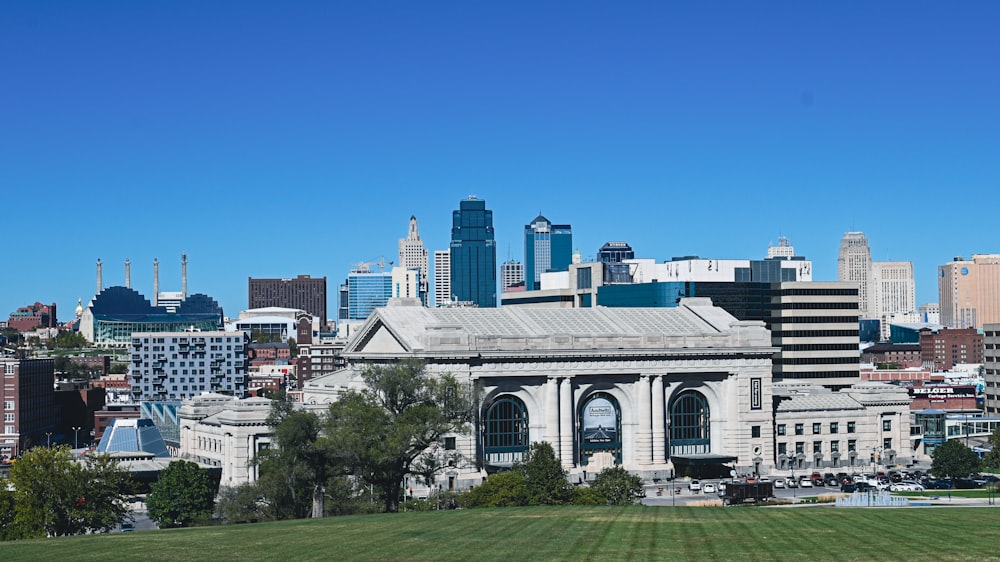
<point>30,415</point>
<point>547,247</point>
<point>473,254</point>
<point>413,255</point>
<point>511,274</point>
<point>302,293</point>
<point>366,291</point>
<point>854,263</point>
<point>970,291</point>
<point>178,365</point>
<point>406,283</point>
<point>893,293</point>
<point>615,252</point>
<point>784,249</point>
<point>991,368</point>
<point>442,277</point>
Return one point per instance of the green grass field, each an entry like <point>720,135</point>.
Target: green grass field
<point>569,533</point>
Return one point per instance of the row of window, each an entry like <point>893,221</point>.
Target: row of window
<point>817,427</point>
<point>817,446</point>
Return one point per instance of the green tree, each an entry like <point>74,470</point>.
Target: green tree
<point>618,486</point>
<point>58,495</point>
<point>296,470</point>
<point>183,495</point>
<point>7,503</point>
<point>294,347</point>
<point>240,504</point>
<point>952,459</point>
<point>503,489</point>
<point>545,476</point>
<point>992,459</point>
<point>401,412</point>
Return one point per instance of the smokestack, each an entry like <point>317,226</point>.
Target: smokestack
<point>128,274</point>
<point>100,283</point>
<point>156,282</point>
<point>184,276</point>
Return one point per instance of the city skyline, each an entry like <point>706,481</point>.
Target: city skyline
<point>148,131</point>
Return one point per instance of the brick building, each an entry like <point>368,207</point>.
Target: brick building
<point>904,356</point>
<point>303,293</point>
<point>28,400</point>
<point>943,349</point>
<point>33,316</point>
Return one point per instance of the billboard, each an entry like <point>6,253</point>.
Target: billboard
<point>600,421</point>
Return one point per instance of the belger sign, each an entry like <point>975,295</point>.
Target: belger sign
<point>942,391</point>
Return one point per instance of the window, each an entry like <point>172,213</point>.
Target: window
<point>8,418</point>
<point>852,445</point>
<point>886,425</point>
<point>8,429</point>
<point>834,446</point>
<point>449,443</point>
<point>850,427</point>
<point>800,447</point>
<point>782,448</point>
<point>781,429</point>
<point>798,429</point>
<point>8,405</point>
<point>834,427</point>
<point>755,431</point>
<point>817,428</point>
<point>887,443</point>
<point>817,446</point>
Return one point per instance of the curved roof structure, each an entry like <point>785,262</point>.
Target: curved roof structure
<point>129,435</point>
<point>123,304</point>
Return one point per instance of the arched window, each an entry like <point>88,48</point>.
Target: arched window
<point>689,424</point>
<point>600,424</point>
<point>505,431</point>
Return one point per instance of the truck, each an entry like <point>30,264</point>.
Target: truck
<point>739,492</point>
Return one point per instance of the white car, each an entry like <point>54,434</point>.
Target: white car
<point>694,485</point>
<point>805,483</point>
<point>708,488</point>
<point>779,483</point>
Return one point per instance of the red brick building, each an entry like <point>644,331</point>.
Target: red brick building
<point>943,349</point>
<point>29,411</point>
<point>903,355</point>
<point>30,317</point>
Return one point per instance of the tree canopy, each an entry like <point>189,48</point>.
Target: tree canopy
<point>618,486</point>
<point>952,459</point>
<point>401,412</point>
<point>56,495</point>
<point>992,459</point>
<point>183,495</point>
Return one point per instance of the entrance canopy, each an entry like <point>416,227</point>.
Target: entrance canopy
<point>702,460</point>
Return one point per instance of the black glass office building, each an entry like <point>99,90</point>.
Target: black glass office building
<point>473,254</point>
<point>547,247</point>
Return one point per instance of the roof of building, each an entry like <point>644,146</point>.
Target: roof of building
<point>128,305</point>
<point>133,434</point>
<point>891,347</point>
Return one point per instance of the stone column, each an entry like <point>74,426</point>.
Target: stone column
<point>552,413</point>
<point>659,444</point>
<point>644,454</point>
<point>566,422</point>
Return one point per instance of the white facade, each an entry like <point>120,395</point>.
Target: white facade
<point>930,312</point>
<point>442,277</point>
<point>405,283</point>
<point>511,273</point>
<point>178,365</point>
<point>784,249</point>
<point>703,270</point>
<point>894,288</point>
<point>222,431</point>
<point>854,264</point>
<point>413,255</point>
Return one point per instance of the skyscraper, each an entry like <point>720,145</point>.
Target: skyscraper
<point>968,291</point>
<point>893,293</point>
<point>442,277</point>
<point>366,291</point>
<point>413,255</point>
<point>854,263</point>
<point>547,247</point>
<point>303,292</point>
<point>615,252</point>
<point>473,254</point>
<point>511,273</point>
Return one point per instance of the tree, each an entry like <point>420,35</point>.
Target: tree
<point>504,489</point>
<point>58,495</point>
<point>7,503</point>
<point>952,459</point>
<point>618,486</point>
<point>183,495</point>
<point>992,458</point>
<point>293,347</point>
<point>402,412</point>
<point>545,476</point>
<point>295,472</point>
<point>240,504</point>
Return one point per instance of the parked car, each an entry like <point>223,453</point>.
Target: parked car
<point>694,486</point>
<point>805,482</point>
<point>128,525</point>
<point>848,488</point>
<point>832,481</point>
<point>779,482</point>
<point>791,483</point>
<point>818,483</point>
<point>708,488</point>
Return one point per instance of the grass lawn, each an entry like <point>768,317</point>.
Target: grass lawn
<point>568,533</point>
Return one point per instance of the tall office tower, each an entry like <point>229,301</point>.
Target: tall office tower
<point>784,249</point>
<point>302,293</point>
<point>615,252</point>
<point>991,368</point>
<point>854,263</point>
<point>970,291</point>
<point>413,255</point>
<point>930,313</point>
<point>473,254</point>
<point>547,247</point>
<point>511,273</point>
<point>893,293</point>
<point>366,291</point>
<point>442,277</point>
<point>406,283</point>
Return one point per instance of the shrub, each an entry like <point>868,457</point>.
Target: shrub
<point>618,486</point>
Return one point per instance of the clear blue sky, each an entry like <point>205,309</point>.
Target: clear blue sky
<point>268,139</point>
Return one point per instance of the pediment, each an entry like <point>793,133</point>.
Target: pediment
<point>379,339</point>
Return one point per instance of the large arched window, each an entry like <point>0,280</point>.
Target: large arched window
<point>505,431</point>
<point>689,424</point>
<point>600,424</point>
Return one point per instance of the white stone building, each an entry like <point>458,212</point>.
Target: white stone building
<point>222,431</point>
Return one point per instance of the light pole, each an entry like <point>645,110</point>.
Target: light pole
<point>76,437</point>
<point>48,438</point>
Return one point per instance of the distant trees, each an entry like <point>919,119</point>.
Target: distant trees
<point>952,459</point>
<point>183,495</point>
<point>55,494</point>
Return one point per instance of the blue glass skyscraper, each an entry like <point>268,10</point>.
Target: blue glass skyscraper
<point>473,254</point>
<point>547,247</point>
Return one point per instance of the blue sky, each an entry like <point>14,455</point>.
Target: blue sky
<point>268,139</point>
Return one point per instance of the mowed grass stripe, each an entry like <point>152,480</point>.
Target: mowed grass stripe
<point>564,533</point>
